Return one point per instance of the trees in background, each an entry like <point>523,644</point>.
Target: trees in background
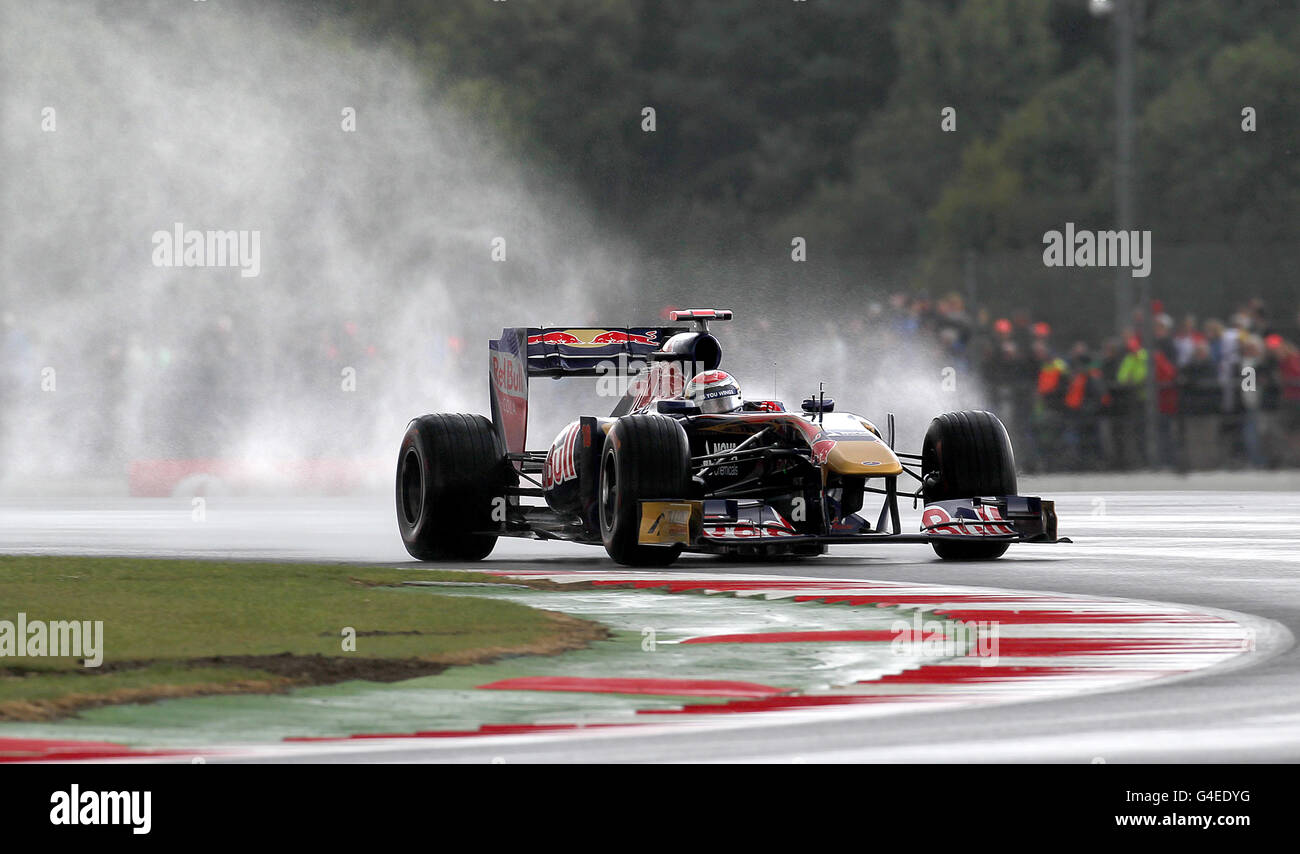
<point>822,118</point>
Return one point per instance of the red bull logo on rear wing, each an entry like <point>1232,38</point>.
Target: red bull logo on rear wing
<point>553,351</point>
<point>587,338</point>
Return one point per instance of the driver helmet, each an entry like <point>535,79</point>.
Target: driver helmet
<point>714,392</point>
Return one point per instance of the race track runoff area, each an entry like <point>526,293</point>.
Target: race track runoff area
<point>1165,632</point>
<point>722,650</point>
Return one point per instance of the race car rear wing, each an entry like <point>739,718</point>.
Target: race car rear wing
<point>555,352</point>
<point>524,352</point>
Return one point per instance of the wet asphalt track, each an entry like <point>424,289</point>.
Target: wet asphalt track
<point>1237,551</point>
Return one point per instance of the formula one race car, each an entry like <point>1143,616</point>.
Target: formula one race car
<point>684,463</point>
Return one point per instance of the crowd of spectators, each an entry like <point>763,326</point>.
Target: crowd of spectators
<point>1227,393</point>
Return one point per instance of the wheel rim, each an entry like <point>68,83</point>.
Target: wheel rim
<point>608,492</point>
<point>412,487</point>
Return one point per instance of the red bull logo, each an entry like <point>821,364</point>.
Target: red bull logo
<point>624,338</point>
<point>555,338</point>
<point>593,337</point>
<point>935,519</point>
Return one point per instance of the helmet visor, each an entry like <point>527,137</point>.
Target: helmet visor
<point>717,400</point>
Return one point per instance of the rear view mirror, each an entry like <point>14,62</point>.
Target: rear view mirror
<point>814,404</point>
<point>677,407</point>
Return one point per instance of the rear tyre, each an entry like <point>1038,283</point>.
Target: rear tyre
<point>645,457</point>
<point>967,454</point>
<point>449,472</point>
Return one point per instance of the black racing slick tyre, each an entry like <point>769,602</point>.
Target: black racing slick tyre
<point>451,472</point>
<point>644,457</point>
<point>967,454</point>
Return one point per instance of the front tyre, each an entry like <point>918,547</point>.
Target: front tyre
<point>967,454</point>
<point>451,472</point>
<point>644,457</point>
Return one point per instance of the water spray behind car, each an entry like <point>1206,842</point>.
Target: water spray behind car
<point>376,230</point>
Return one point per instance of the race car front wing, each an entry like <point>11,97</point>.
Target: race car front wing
<point>721,523</point>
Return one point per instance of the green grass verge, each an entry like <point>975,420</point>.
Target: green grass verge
<point>181,628</point>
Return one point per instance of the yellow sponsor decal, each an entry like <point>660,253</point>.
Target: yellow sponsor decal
<point>664,523</point>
